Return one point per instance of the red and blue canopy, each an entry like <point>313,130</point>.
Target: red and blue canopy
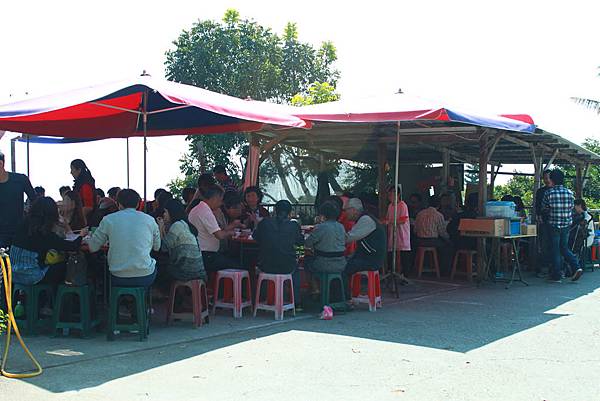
<point>115,110</point>
<point>402,107</point>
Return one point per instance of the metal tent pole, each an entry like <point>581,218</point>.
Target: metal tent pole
<point>28,165</point>
<point>396,182</point>
<point>127,162</point>
<point>145,123</point>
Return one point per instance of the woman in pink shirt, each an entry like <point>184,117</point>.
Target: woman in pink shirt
<point>402,226</point>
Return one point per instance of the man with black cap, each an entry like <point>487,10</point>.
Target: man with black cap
<point>370,238</point>
<point>223,179</point>
<point>277,238</point>
<point>13,187</point>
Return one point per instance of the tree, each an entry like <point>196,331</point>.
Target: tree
<point>591,191</point>
<point>518,185</point>
<point>241,58</point>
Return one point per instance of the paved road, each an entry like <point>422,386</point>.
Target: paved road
<point>444,343</point>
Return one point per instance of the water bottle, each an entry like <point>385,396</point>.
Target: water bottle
<point>19,310</point>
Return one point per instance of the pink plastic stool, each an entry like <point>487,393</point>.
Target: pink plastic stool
<point>373,295</point>
<point>199,302</point>
<point>279,306</point>
<point>237,278</point>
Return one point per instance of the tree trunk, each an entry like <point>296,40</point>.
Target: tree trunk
<point>300,176</point>
<point>337,188</point>
<point>276,157</point>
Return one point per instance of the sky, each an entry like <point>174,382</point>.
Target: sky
<point>489,56</point>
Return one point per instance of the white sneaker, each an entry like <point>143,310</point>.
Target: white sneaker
<point>577,275</point>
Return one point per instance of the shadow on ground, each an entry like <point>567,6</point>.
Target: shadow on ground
<point>439,315</point>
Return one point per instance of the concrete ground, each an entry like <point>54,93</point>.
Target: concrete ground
<point>439,341</point>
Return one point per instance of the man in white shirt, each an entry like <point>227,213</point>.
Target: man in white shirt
<point>209,232</point>
<point>132,235</point>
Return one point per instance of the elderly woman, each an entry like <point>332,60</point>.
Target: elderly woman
<point>253,211</point>
<point>328,242</point>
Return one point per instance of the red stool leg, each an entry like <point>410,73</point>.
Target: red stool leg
<point>371,290</point>
<point>171,303</point>
<point>271,292</point>
<point>292,296</point>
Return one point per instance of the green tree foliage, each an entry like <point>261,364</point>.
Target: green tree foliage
<point>517,186</point>
<point>242,58</point>
<point>523,186</point>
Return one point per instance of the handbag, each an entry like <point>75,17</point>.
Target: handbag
<point>54,257</point>
<point>76,270</point>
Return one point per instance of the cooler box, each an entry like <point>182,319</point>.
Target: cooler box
<point>499,209</point>
<point>515,228</point>
<point>484,227</point>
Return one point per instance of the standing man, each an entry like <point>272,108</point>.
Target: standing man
<point>559,202</point>
<point>13,187</point>
<point>544,240</point>
<point>223,179</point>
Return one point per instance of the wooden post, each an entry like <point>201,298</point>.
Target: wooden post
<point>381,177</point>
<point>579,181</point>
<point>252,164</point>
<point>445,170</point>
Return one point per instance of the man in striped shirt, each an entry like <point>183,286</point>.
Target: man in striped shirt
<point>431,230</point>
<point>558,203</point>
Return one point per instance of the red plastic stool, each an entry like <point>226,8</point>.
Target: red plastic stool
<point>373,295</point>
<point>199,302</point>
<point>278,305</point>
<point>236,278</point>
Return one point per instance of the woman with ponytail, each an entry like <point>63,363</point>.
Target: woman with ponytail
<point>84,185</point>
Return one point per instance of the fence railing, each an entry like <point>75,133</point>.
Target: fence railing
<point>304,212</point>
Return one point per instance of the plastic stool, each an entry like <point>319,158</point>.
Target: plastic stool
<point>278,306</point>
<point>468,259</point>
<point>141,325</point>
<point>238,303</point>
<point>421,252</point>
<point>199,302</point>
<point>326,279</point>
<point>373,295</point>
<point>32,322</point>
<point>86,309</point>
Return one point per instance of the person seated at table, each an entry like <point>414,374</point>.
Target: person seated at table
<point>113,193</point>
<point>204,182</point>
<point>341,201</point>
<point>187,194</point>
<point>40,192</point>
<point>415,205</point>
<point>220,173</point>
<point>520,207</point>
<point>370,238</point>
<point>226,214</point>
<point>179,239</point>
<point>72,211</point>
<point>469,212</point>
<point>209,232</point>
<point>430,229</point>
<point>327,242</point>
<point>34,238</point>
<point>99,195</point>
<point>581,235</point>
<point>64,189</point>
<point>277,239</point>
<point>132,235</point>
<point>152,206</point>
<point>447,206</point>
<point>253,212</point>
<point>161,201</point>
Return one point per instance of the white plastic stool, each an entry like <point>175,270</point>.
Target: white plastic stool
<point>279,306</point>
<point>237,277</point>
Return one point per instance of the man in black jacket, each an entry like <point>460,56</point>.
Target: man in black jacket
<point>13,187</point>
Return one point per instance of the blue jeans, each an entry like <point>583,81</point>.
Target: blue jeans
<point>545,241</point>
<point>560,249</point>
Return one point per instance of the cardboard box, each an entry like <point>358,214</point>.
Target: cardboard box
<point>484,227</point>
<point>529,229</point>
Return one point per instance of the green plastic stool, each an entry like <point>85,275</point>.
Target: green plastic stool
<point>86,312</point>
<point>141,325</point>
<point>326,279</point>
<point>32,322</point>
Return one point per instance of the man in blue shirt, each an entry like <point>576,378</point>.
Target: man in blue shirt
<point>558,206</point>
